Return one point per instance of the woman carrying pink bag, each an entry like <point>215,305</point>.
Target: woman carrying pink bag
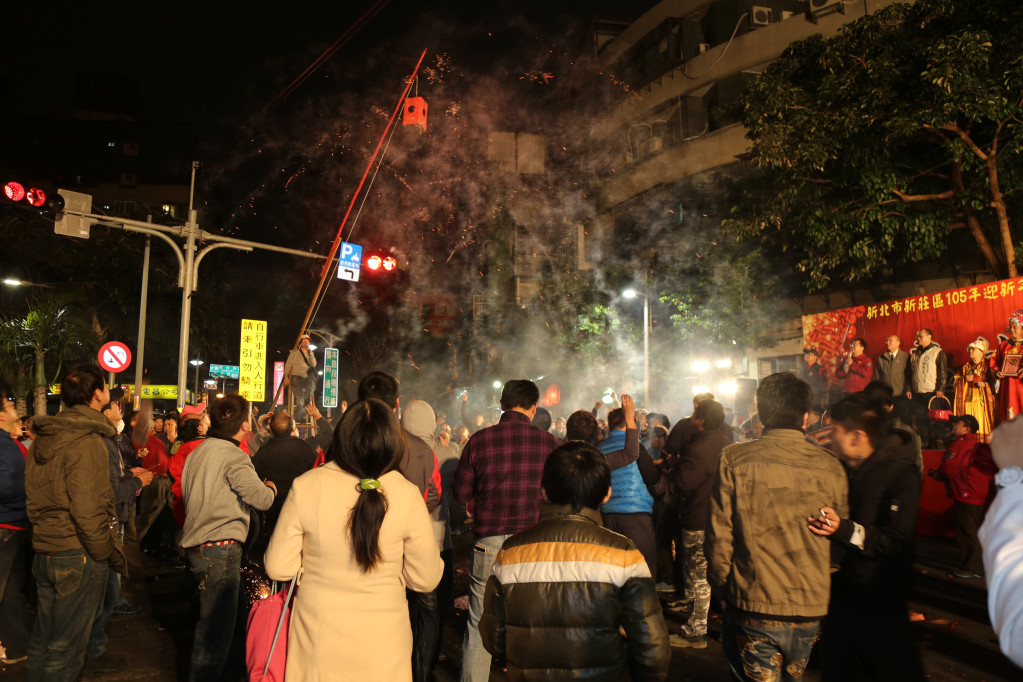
<point>360,534</point>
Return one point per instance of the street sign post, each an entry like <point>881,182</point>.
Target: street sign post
<point>114,356</point>
<point>349,260</point>
<point>331,364</point>
<point>225,371</point>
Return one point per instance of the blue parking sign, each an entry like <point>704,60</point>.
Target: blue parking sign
<point>349,260</point>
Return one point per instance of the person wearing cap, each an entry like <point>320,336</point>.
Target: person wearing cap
<point>812,373</point>
<point>1010,386</point>
<point>968,471</point>
<point>300,374</point>
<point>973,394</point>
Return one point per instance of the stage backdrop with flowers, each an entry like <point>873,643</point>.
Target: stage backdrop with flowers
<point>956,316</point>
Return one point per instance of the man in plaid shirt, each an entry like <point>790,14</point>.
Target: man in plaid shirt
<point>500,471</point>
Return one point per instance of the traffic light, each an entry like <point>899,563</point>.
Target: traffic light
<point>30,199</point>
<point>381,262</point>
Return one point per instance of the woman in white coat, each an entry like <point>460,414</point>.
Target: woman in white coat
<point>358,534</point>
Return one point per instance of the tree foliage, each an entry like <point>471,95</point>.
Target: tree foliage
<point>50,335</point>
<point>870,146</point>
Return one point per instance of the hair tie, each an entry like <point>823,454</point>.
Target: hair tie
<point>368,484</point>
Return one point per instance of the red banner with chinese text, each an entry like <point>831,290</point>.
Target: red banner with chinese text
<point>956,316</point>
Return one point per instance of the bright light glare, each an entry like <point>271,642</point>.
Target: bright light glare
<point>700,389</point>
<point>13,282</point>
<point>727,388</point>
<point>630,293</point>
<point>14,191</point>
<point>312,347</point>
<point>497,384</point>
<point>374,262</point>
<point>700,366</point>
<point>607,399</point>
<point>722,364</point>
<point>196,363</point>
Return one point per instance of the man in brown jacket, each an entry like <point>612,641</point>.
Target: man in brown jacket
<point>75,529</point>
<point>772,573</point>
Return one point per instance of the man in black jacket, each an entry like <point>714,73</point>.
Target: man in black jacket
<point>562,592</point>
<point>866,633</point>
<point>282,459</point>
<point>694,478</point>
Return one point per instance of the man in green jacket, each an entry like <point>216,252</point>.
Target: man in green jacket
<point>75,529</point>
<point>771,571</point>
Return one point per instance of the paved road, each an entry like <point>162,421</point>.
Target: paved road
<point>955,640</point>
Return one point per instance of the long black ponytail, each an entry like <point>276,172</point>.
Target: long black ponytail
<point>367,444</point>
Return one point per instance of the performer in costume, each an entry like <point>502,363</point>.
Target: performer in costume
<point>973,394</point>
<point>1010,387</point>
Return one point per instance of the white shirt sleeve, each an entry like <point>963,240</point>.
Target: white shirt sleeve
<point>859,534</point>
<point>1002,539</point>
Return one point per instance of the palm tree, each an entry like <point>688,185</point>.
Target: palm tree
<point>51,333</point>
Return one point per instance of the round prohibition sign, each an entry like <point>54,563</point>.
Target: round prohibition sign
<point>114,356</point>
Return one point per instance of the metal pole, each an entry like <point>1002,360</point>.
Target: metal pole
<point>186,308</point>
<point>140,351</point>
<point>646,350</point>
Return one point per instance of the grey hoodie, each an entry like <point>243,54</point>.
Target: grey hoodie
<point>419,420</point>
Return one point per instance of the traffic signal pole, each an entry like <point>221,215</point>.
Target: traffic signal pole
<point>188,265</point>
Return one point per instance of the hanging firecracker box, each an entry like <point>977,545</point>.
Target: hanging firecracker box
<point>415,112</point>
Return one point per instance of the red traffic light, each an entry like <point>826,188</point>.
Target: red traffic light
<point>377,262</point>
<point>14,191</point>
<point>33,196</point>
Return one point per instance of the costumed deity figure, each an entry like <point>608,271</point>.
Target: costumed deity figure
<point>1010,385</point>
<point>973,394</point>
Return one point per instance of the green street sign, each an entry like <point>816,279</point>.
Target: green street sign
<point>226,371</point>
<point>331,363</point>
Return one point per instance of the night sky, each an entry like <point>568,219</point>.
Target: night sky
<point>284,171</point>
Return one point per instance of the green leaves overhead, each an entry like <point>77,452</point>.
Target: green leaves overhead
<point>871,146</point>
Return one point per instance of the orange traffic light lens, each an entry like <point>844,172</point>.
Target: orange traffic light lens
<point>390,264</point>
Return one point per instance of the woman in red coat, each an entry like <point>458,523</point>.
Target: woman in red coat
<point>1010,385</point>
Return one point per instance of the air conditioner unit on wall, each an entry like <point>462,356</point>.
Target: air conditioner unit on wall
<point>822,8</point>
<point>760,16</point>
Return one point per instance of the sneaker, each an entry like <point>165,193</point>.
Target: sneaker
<point>688,642</point>
<point>678,606</point>
<point>965,575</point>
<point>125,609</point>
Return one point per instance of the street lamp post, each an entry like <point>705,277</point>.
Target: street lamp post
<point>197,363</point>
<point>632,293</point>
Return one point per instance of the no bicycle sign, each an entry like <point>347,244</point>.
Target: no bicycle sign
<point>114,356</point>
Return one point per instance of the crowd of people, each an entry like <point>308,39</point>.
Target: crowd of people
<point>987,386</point>
<point>578,524</point>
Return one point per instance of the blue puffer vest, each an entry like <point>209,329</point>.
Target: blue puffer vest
<point>628,492</point>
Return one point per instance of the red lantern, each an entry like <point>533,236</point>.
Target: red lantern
<point>552,396</point>
<point>415,112</point>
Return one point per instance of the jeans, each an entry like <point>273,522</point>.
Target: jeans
<point>14,614</point>
<point>98,639</point>
<point>475,658</point>
<point>761,648</point>
<point>71,586</point>
<point>217,572</point>
<point>428,609</point>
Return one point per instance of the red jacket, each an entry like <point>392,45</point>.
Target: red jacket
<point>861,371</point>
<point>969,470</point>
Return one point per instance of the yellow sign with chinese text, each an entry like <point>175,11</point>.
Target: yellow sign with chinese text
<point>252,361</point>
